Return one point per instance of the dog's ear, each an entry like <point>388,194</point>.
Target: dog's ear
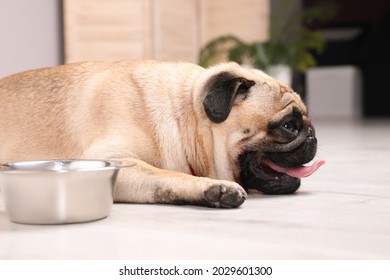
<point>221,90</point>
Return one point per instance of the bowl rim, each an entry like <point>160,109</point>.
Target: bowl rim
<point>10,167</point>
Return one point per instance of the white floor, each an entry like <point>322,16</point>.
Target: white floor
<point>340,212</point>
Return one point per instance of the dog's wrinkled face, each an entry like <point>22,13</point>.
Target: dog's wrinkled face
<point>268,133</point>
<point>278,169</point>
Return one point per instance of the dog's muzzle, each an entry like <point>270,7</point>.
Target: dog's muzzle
<point>279,172</point>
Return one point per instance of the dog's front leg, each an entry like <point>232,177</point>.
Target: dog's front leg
<point>143,183</point>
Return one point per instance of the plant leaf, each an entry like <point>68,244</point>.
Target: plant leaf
<point>215,48</point>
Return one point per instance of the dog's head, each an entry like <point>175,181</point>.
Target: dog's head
<point>265,126</point>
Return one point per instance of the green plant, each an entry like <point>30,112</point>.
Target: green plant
<point>290,41</point>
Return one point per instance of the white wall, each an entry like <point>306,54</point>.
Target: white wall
<point>30,35</point>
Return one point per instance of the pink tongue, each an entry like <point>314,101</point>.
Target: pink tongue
<point>297,172</point>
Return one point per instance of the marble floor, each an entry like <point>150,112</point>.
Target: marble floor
<point>340,212</point>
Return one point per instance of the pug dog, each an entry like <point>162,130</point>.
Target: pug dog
<point>193,135</point>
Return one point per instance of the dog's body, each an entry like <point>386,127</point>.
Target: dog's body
<point>174,120</point>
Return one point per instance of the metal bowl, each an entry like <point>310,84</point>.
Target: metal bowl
<point>58,191</point>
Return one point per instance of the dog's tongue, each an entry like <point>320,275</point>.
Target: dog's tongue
<point>297,172</point>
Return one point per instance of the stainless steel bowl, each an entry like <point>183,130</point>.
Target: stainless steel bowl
<point>58,191</point>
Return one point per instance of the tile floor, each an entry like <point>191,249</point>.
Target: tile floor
<point>340,212</point>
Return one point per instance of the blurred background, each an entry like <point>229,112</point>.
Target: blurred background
<point>334,53</point>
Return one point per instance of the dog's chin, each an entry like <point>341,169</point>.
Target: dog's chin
<point>258,176</point>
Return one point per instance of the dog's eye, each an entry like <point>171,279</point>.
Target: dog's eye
<point>292,126</point>
<point>286,129</point>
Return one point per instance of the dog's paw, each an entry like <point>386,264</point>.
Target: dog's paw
<point>224,196</point>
